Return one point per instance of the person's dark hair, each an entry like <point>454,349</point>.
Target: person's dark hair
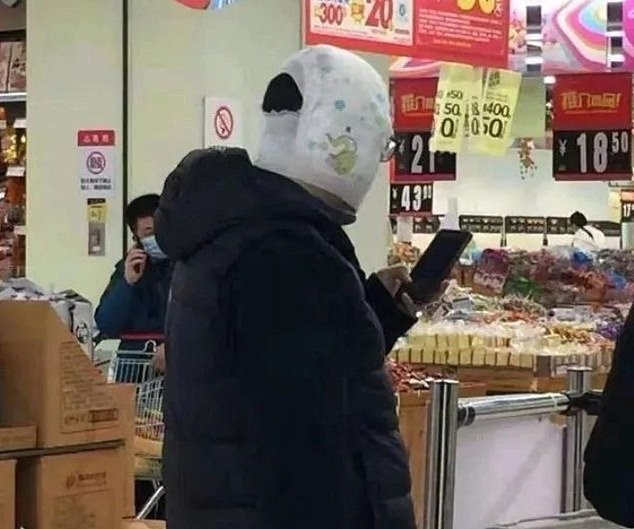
<point>578,219</point>
<point>282,94</point>
<point>143,206</point>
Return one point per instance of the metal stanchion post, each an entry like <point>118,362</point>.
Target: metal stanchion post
<point>442,434</point>
<point>579,382</point>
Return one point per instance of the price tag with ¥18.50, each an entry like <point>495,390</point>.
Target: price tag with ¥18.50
<point>592,155</point>
<point>497,106</point>
<point>414,163</point>
<point>452,99</point>
<point>385,26</point>
<point>411,199</point>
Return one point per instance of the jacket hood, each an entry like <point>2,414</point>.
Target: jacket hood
<point>212,190</point>
<point>336,140</point>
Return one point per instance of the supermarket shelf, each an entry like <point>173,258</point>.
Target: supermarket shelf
<point>12,97</point>
<point>19,229</point>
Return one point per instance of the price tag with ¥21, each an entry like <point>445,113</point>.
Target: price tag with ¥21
<point>492,134</point>
<point>452,98</point>
<point>415,163</point>
<point>411,199</point>
<point>592,155</point>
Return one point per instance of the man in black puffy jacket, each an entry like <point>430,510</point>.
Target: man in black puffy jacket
<point>278,411</point>
<point>609,457</point>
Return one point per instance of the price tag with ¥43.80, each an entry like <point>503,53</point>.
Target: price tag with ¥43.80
<point>497,106</point>
<point>452,98</point>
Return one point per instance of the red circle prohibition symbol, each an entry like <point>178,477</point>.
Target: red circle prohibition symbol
<point>223,123</point>
<point>96,163</point>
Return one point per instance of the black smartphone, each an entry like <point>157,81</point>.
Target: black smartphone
<point>435,265</point>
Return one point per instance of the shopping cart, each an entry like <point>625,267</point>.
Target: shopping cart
<point>137,367</point>
<point>577,520</point>
<point>130,366</point>
<point>148,441</point>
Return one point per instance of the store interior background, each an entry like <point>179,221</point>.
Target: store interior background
<point>177,57</point>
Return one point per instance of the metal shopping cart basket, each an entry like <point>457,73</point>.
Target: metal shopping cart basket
<point>578,520</point>
<point>148,440</point>
<point>137,367</point>
<point>130,366</point>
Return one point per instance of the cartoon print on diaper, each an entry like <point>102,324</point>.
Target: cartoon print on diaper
<point>343,152</point>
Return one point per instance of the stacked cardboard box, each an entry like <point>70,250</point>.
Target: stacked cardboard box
<point>66,448</point>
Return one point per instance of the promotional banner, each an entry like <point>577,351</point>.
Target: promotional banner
<point>472,32</point>
<point>413,101</point>
<point>452,99</point>
<point>592,127</point>
<point>497,106</point>
<point>468,31</point>
<point>574,35</point>
<point>414,104</point>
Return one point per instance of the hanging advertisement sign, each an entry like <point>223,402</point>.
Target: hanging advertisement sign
<point>452,100</point>
<point>592,128</point>
<point>468,31</point>
<point>496,108</point>
<point>573,32</point>
<point>574,35</point>
<point>465,31</point>
<point>414,104</point>
<point>411,199</point>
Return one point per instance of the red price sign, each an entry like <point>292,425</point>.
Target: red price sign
<point>379,26</point>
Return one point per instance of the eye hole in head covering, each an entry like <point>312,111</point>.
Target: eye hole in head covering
<point>282,94</point>
<point>391,146</point>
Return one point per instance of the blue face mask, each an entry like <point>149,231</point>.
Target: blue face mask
<point>151,247</point>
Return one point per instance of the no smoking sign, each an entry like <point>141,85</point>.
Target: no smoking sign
<point>222,119</point>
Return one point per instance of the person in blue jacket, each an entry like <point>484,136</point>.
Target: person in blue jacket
<point>279,413</point>
<point>135,300</point>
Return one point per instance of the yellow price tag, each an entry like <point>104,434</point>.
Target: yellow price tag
<point>452,97</point>
<point>474,113</point>
<point>497,106</point>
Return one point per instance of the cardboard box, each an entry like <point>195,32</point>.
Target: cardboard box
<point>14,438</point>
<point>7,494</point>
<point>144,524</point>
<point>46,379</point>
<point>126,394</point>
<point>71,491</point>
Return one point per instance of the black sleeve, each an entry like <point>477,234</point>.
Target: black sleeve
<point>609,456</point>
<point>394,319</point>
<point>288,315</point>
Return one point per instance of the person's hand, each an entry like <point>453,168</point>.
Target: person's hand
<point>393,278</point>
<point>134,265</point>
<point>159,358</point>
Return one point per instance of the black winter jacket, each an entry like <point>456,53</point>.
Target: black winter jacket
<point>609,457</point>
<point>278,411</point>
